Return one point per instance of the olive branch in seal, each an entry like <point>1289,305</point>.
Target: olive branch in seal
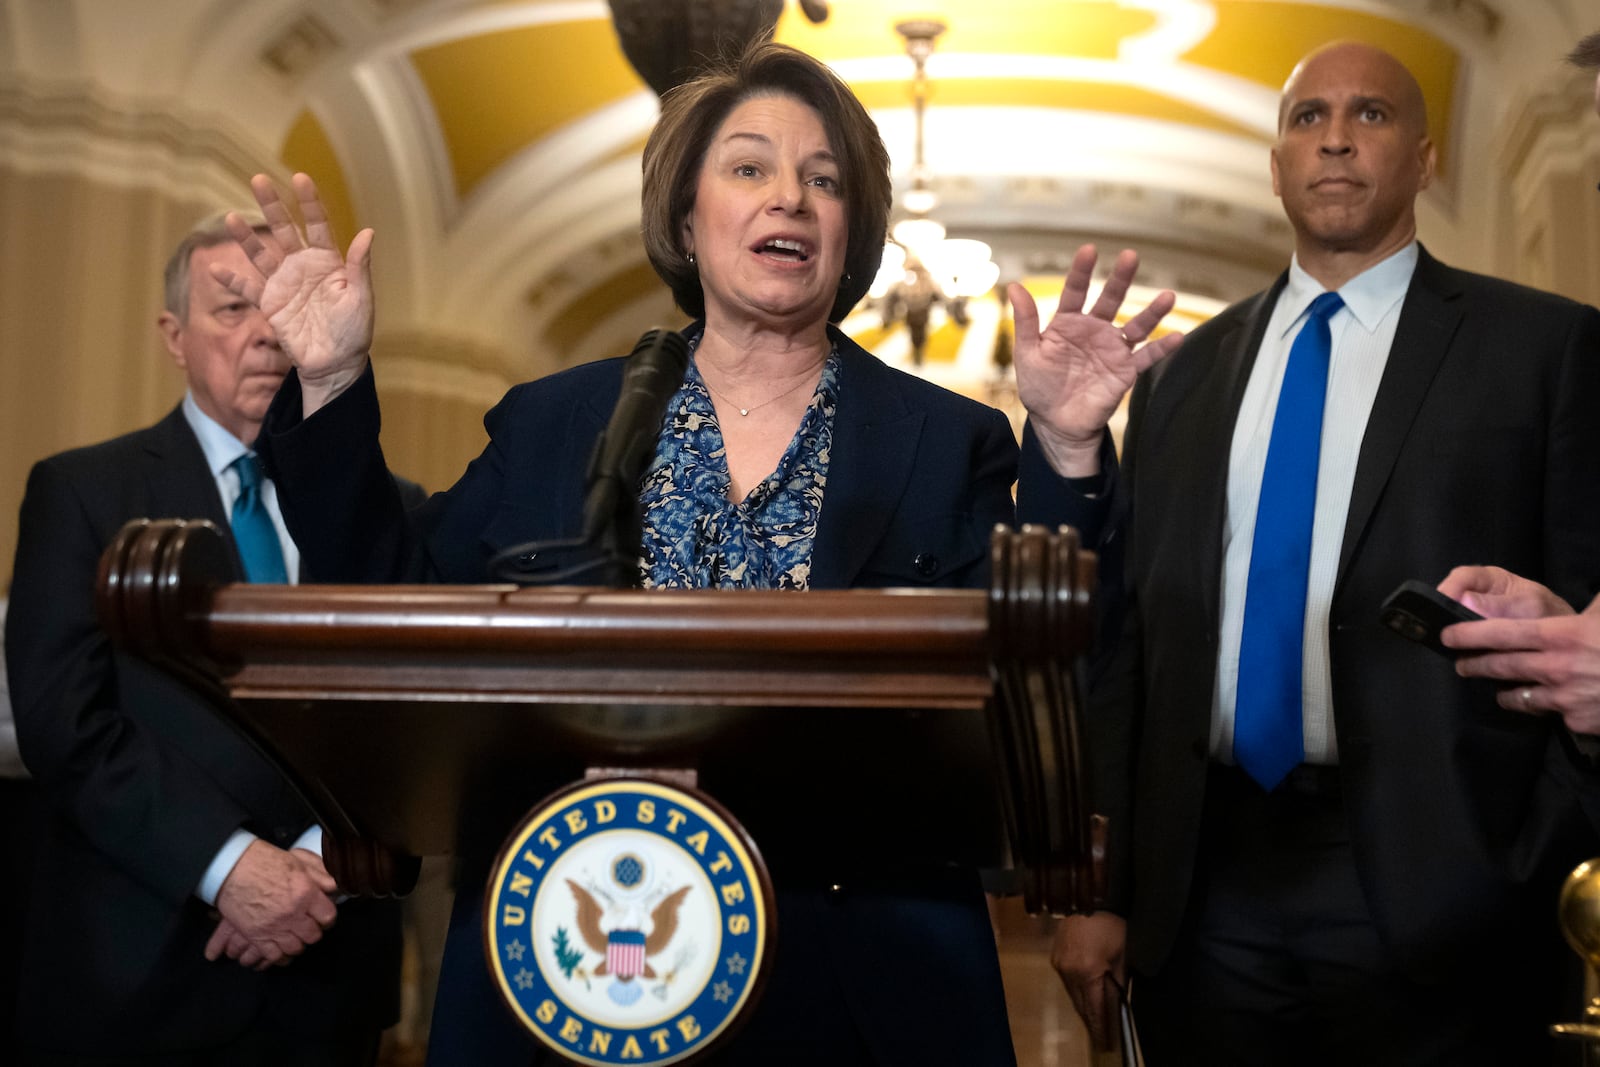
<point>567,957</point>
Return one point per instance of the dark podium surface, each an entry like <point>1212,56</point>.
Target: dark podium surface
<point>895,726</point>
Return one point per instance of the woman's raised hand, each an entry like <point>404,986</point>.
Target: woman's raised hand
<point>319,303</point>
<point>1072,374</point>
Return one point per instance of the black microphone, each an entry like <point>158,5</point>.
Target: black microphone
<point>611,519</point>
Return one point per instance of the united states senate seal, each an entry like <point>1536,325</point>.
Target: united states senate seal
<point>628,922</point>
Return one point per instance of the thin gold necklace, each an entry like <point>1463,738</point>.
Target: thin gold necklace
<point>754,407</point>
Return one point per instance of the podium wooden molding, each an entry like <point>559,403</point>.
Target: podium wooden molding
<point>413,717</point>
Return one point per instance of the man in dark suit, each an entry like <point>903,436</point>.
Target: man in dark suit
<point>169,842</point>
<point>1326,847</point>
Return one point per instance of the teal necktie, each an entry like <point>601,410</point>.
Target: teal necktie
<point>253,531</point>
<point>1268,740</point>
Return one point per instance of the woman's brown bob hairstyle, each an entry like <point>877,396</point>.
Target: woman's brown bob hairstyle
<point>690,117</point>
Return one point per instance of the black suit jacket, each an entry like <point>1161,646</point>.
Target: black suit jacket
<point>1483,447</point>
<point>142,783</point>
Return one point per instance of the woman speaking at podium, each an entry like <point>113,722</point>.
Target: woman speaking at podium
<point>788,458</point>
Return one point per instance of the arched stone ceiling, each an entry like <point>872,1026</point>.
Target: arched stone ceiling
<point>494,146</point>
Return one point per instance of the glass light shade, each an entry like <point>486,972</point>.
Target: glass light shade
<point>918,235</point>
<point>963,267</point>
<point>919,201</point>
<point>974,280</point>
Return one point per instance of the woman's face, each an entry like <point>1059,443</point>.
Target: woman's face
<point>768,228</point>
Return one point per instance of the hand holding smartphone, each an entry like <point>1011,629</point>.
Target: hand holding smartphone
<point>1418,611</point>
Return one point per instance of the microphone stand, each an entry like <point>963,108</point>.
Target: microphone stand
<point>612,530</point>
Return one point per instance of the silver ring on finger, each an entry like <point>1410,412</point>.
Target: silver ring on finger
<point>1525,697</point>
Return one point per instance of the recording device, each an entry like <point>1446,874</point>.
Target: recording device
<point>612,526</point>
<point>1418,611</point>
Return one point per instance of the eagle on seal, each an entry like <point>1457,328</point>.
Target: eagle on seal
<point>626,952</point>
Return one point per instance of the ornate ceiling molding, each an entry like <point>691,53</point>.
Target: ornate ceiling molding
<point>1562,108</point>
<point>1479,19</point>
<point>300,47</point>
<point>57,129</point>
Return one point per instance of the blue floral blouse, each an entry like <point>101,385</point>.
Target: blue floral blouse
<point>695,537</point>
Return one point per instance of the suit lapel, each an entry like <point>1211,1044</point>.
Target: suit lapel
<point>877,432</point>
<point>1428,323</point>
<point>1205,453</point>
<point>178,480</point>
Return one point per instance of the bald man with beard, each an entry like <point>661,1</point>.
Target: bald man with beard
<point>1371,878</point>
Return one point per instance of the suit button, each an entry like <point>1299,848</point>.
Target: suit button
<point>926,563</point>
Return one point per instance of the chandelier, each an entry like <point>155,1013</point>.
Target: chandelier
<point>922,268</point>
<point>670,41</point>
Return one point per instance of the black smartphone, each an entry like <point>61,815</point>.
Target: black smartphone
<point>1418,611</point>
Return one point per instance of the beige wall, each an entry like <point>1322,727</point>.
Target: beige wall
<point>80,360</point>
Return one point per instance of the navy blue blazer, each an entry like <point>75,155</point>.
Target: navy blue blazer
<point>918,478</point>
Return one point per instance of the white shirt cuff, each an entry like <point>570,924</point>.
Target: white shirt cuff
<point>222,864</point>
<point>310,840</point>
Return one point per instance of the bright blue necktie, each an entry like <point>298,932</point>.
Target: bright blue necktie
<point>1267,737</point>
<point>253,531</point>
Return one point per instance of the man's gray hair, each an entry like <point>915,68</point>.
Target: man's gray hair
<point>207,233</point>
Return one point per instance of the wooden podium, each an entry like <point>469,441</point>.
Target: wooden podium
<point>914,725</point>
